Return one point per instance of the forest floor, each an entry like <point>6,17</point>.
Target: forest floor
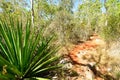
<point>90,71</point>
<point>89,63</point>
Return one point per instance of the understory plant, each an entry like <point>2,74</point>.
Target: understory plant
<point>24,53</point>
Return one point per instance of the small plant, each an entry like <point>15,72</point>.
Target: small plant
<point>25,54</point>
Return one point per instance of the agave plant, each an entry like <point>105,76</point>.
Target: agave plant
<point>23,53</point>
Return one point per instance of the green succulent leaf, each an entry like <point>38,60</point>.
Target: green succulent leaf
<point>25,52</point>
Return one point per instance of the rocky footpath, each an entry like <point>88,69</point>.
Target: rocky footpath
<point>86,61</point>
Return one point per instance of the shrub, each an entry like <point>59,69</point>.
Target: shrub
<point>24,53</point>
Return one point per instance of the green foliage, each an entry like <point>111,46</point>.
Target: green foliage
<point>24,53</point>
<point>7,7</point>
<point>111,31</point>
<point>56,17</point>
<point>86,19</point>
<point>111,21</point>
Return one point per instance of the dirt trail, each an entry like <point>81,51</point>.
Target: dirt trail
<point>86,60</point>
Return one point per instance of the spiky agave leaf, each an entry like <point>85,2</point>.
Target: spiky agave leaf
<point>25,53</point>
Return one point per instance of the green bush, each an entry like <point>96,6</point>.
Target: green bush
<point>24,53</point>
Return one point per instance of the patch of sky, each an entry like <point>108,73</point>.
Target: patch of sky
<point>76,4</point>
<point>55,2</point>
<point>103,9</point>
<point>102,1</point>
<point>0,10</point>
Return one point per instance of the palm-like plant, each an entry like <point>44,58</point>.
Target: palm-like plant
<point>23,53</point>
